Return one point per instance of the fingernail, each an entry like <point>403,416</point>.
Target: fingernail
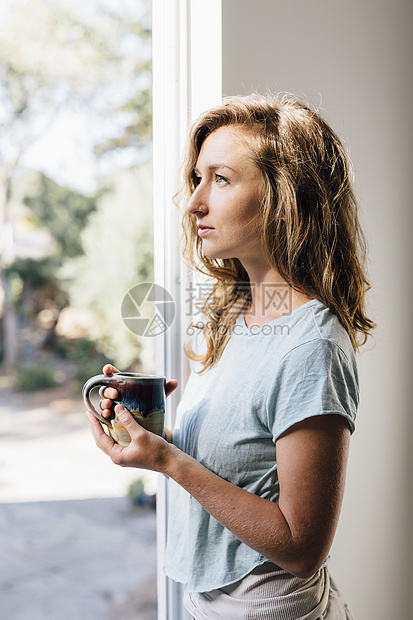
<point>120,409</point>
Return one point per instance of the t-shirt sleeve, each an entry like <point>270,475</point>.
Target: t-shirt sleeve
<point>314,378</point>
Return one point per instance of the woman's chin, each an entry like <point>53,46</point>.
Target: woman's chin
<point>214,253</point>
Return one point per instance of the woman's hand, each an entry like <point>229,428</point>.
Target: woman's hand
<point>146,450</point>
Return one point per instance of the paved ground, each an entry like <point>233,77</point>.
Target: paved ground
<point>72,545</point>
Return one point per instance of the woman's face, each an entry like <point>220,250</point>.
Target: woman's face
<point>227,198</point>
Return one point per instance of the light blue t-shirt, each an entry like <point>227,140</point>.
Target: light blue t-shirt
<point>229,418</point>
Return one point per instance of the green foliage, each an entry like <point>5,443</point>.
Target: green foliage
<point>62,211</point>
<point>58,49</point>
<point>32,376</point>
<point>86,370</point>
<point>89,361</point>
<point>61,60</point>
<point>119,242</point>
<point>33,273</point>
<point>137,494</point>
<point>138,131</point>
<point>77,349</point>
<point>29,274</point>
<point>136,487</point>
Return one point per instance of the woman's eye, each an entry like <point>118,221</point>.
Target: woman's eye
<point>220,179</point>
<point>196,180</point>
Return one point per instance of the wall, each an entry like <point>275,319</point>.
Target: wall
<point>353,58</point>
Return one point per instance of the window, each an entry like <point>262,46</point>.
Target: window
<point>187,80</point>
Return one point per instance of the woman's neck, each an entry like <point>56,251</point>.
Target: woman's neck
<point>271,297</point>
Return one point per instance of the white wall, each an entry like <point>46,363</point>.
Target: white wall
<point>355,57</point>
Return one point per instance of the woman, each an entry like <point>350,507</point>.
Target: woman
<point>258,459</point>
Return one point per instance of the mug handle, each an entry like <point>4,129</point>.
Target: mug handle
<point>98,381</point>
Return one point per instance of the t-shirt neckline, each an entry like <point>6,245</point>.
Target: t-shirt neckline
<point>280,319</point>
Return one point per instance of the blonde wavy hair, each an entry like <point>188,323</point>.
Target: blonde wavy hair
<point>309,217</point>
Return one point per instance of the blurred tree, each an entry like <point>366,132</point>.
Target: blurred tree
<point>27,277</point>
<point>119,254</point>
<point>91,58</point>
<point>63,212</point>
<point>138,132</point>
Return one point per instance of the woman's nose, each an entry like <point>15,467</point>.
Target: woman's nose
<point>197,202</point>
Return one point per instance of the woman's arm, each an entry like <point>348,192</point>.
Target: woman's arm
<point>296,533</point>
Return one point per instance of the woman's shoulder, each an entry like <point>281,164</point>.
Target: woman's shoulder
<point>320,341</point>
<point>330,329</point>
<point>318,327</point>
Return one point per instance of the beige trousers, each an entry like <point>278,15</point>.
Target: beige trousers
<point>272,595</point>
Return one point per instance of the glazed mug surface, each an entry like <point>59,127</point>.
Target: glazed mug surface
<point>143,395</point>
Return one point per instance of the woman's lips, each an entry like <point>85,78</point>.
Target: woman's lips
<point>204,230</point>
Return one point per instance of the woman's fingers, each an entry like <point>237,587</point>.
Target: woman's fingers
<point>105,404</point>
<point>106,407</point>
<point>108,369</point>
<point>108,392</point>
<point>134,429</point>
<point>145,451</point>
<point>104,441</point>
<point>171,386</point>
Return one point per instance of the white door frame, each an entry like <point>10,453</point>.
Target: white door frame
<point>187,79</point>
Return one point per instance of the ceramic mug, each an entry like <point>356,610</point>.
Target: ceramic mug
<point>143,395</point>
